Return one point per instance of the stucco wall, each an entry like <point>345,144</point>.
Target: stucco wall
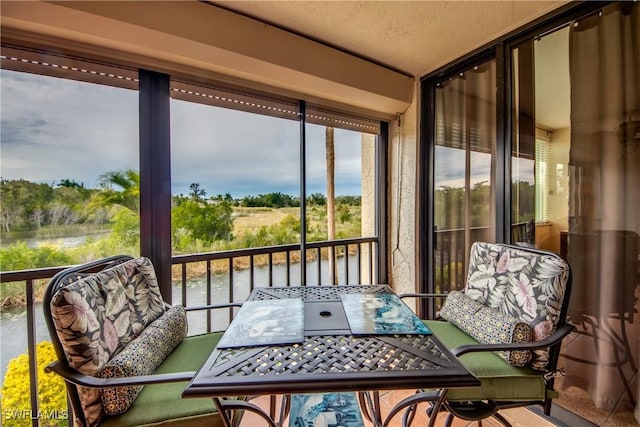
<point>402,225</point>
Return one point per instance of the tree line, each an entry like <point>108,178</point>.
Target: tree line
<point>451,203</point>
<point>28,206</point>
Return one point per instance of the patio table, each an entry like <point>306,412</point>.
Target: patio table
<point>329,358</point>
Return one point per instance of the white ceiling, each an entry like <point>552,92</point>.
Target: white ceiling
<point>415,37</point>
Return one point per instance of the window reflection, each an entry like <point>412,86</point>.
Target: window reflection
<point>464,170</point>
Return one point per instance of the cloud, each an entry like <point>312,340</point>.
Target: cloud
<point>54,129</point>
<point>450,167</point>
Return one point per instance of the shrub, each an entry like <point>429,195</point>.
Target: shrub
<point>126,227</point>
<point>16,401</point>
<point>286,231</point>
<point>22,257</point>
<point>203,220</point>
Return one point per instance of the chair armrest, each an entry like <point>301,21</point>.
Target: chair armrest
<point>213,306</point>
<point>551,340</point>
<point>77,378</point>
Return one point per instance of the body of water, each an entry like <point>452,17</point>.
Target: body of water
<point>59,242</point>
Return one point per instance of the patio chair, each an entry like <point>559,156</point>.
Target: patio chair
<point>122,351</point>
<point>506,328</point>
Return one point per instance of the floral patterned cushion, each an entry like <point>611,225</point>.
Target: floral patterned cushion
<point>526,285</point>
<point>99,314</point>
<point>141,357</point>
<point>487,326</point>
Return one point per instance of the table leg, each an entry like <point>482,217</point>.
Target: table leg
<point>370,406</point>
<point>226,421</point>
<point>410,402</point>
<point>272,406</point>
<point>227,407</point>
<point>285,407</point>
<point>436,407</point>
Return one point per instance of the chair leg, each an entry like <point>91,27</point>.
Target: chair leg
<point>502,419</point>
<point>449,420</point>
<point>472,411</point>
<point>475,412</point>
<point>409,415</point>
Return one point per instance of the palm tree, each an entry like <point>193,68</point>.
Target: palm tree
<point>331,198</point>
<point>128,195</point>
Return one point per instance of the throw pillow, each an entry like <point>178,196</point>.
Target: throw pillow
<point>141,357</point>
<point>487,326</point>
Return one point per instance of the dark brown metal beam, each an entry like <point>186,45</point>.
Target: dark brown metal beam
<point>155,176</point>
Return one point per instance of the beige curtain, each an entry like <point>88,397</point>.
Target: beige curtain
<point>604,207</point>
<point>466,121</point>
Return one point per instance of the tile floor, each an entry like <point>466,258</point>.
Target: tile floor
<point>517,417</point>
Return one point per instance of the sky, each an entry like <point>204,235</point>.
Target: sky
<point>54,129</point>
<point>449,165</point>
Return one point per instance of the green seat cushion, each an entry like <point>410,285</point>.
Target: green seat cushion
<point>162,404</point>
<point>500,380</point>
